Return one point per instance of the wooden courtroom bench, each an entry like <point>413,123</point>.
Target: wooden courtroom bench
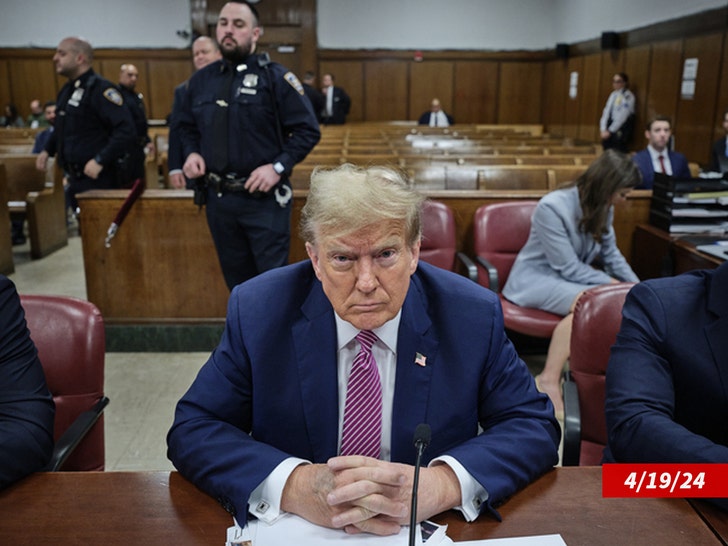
<point>162,266</point>
<point>17,148</point>
<point>43,205</point>
<point>527,176</point>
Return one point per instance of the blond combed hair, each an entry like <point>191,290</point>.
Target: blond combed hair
<point>348,198</point>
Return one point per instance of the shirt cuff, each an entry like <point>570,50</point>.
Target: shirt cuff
<point>473,495</point>
<point>265,500</point>
<point>175,171</point>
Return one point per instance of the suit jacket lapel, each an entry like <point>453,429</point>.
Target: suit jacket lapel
<point>412,383</point>
<point>315,351</point>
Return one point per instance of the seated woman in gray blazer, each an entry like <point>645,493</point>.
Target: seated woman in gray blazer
<point>571,233</point>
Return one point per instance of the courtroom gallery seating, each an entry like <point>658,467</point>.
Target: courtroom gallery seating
<point>597,318</point>
<point>499,232</point>
<point>30,197</point>
<point>439,244</point>
<point>70,337</point>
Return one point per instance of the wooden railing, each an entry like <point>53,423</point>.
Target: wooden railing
<point>162,265</point>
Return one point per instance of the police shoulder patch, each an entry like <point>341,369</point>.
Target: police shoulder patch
<point>112,95</point>
<point>291,78</point>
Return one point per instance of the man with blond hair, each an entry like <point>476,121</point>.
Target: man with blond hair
<point>270,425</point>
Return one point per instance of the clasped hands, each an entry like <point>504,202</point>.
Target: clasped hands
<point>364,495</point>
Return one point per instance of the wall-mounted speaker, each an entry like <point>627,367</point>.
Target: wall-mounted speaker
<point>610,40</point>
<point>562,51</point>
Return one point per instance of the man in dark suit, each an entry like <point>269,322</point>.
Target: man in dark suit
<point>317,99</point>
<point>657,158</point>
<point>719,155</point>
<point>26,406</point>
<point>128,77</point>
<point>337,103</point>
<point>204,51</point>
<point>436,116</point>
<point>264,426</point>
<point>667,378</point>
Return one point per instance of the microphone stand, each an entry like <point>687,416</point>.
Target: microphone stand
<point>421,441</point>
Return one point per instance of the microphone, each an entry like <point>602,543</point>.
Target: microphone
<point>421,441</point>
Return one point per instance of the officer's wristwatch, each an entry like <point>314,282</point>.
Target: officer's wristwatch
<point>278,167</point>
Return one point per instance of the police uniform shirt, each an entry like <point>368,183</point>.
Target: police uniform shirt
<point>135,103</point>
<point>91,122</point>
<point>251,115</point>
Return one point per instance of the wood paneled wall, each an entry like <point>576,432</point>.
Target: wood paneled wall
<point>30,74</point>
<point>474,86</point>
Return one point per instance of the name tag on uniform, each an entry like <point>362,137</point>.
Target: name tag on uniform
<point>76,97</point>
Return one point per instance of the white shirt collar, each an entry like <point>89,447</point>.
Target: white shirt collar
<point>654,154</point>
<point>387,332</point>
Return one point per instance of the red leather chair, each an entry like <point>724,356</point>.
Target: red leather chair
<point>70,337</point>
<point>597,318</point>
<point>439,239</point>
<point>500,231</point>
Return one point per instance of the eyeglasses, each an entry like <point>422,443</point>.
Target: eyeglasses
<point>617,81</point>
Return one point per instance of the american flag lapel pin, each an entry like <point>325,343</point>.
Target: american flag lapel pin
<point>420,359</point>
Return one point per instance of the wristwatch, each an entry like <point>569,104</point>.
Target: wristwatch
<point>278,167</point>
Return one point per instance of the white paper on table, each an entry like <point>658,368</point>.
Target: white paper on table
<point>308,534</point>
<point>536,540</point>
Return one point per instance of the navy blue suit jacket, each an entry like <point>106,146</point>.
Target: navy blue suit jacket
<point>269,390</point>
<point>26,406</point>
<point>643,160</point>
<point>718,156</point>
<point>425,118</point>
<point>341,107</point>
<point>175,155</point>
<point>667,378</point>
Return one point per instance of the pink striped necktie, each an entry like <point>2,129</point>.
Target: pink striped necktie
<point>362,431</point>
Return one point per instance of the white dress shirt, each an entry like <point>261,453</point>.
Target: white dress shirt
<point>329,101</point>
<point>655,155</point>
<point>265,500</point>
<point>439,119</point>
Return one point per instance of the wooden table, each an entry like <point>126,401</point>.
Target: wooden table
<point>714,517</point>
<point>657,253</point>
<point>133,508</point>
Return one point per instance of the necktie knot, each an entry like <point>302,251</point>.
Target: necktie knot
<point>366,338</point>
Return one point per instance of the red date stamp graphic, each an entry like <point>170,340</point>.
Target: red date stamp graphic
<point>665,480</point>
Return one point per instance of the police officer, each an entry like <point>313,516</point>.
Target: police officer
<point>128,76</point>
<point>204,51</point>
<point>94,130</point>
<point>244,123</point>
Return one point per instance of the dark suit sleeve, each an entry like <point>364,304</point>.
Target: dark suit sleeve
<point>26,406</point>
<point>175,159</point>
<point>661,374</point>
<point>520,436</point>
<point>717,154</point>
<point>345,102</point>
<point>210,441</point>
